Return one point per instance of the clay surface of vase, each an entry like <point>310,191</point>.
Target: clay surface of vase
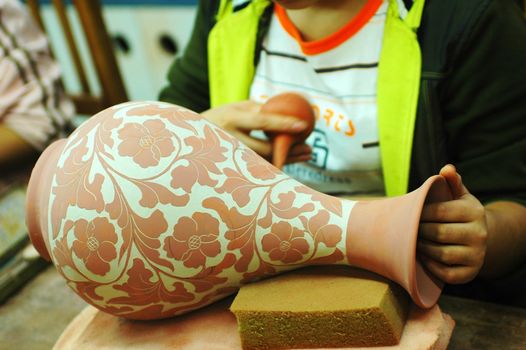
<point>149,211</point>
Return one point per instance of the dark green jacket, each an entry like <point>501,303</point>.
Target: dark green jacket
<point>472,103</point>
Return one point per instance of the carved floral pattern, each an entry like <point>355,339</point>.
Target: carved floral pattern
<point>194,239</point>
<point>257,168</point>
<point>285,243</point>
<point>95,244</point>
<point>147,143</point>
<point>75,187</point>
<point>143,288</point>
<point>154,212</point>
<point>202,161</point>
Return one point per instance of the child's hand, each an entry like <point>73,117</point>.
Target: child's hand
<point>240,118</point>
<point>453,234</point>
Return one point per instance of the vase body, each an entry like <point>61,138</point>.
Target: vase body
<point>149,211</point>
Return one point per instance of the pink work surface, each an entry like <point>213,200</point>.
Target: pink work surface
<point>215,328</point>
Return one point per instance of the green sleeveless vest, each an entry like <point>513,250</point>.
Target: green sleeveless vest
<point>231,49</point>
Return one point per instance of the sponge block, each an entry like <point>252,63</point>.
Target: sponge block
<point>317,307</point>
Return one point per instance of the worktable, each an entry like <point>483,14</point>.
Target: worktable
<point>35,317</point>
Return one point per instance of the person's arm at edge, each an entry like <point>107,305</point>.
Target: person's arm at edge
<point>13,147</point>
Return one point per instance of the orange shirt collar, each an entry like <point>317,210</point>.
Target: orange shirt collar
<point>333,40</point>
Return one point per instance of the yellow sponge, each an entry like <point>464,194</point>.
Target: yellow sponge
<point>316,307</point>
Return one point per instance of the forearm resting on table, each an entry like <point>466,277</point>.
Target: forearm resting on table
<point>13,147</point>
<point>506,242</point>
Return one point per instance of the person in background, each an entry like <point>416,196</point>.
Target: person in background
<point>403,90</point>
<point>33,108</point>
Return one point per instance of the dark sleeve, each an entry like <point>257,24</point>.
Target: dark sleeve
<point>484,104</point>
<point>188,75</point>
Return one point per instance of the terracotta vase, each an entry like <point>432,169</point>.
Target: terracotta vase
<point>149,211</point>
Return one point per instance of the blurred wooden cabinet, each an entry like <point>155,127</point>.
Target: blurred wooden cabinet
<point>147,37</point>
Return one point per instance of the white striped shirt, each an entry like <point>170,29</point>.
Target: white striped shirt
<point>338,74</point>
